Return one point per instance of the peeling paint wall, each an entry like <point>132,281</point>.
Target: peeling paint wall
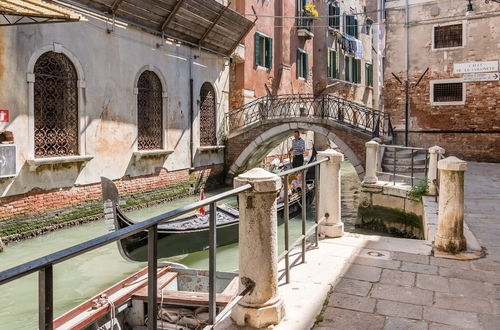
<point>110,64</point>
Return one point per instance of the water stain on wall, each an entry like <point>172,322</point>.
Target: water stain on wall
<point>2,55</point>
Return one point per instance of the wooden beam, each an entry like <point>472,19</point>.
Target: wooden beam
<point>214,23</point>
<point>243,35</point>
<point>171,16</point>
<point>116,4</point>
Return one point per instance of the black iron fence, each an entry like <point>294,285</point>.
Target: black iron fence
<point>348,113</point>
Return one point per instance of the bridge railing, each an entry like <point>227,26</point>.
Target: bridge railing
<point>339,110</point>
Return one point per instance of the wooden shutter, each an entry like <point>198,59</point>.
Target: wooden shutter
<point>269,52</point>
<point>306,65</point>
<point>335,64</point>
<point>329,64</point>
<point>355,28</point>
<point>331,13</point>
<point>337,17</point>
<point>298,65</point>
<point>257,49</point>
<point>346,69</point>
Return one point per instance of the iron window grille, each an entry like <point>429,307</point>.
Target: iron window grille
<point>448,36</point>
<point>208,125</point>
<point>55,106</point>
<point>149,112</point>
<point>448,92</point>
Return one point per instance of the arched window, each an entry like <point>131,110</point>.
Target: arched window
<point>55,106</point>
<point>208,127</point>
<point>149,112</point>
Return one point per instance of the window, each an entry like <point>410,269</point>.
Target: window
<point>208,124</point>
<point>448,36</point>
<point>447,92</point>
<point>55,106</point>
<point>352,70</point>
<point>333,64</point>
<point>302,64</point>
<point>369,74</point>
<point>263,50</point>
<point>334,15</point>
<point>149,112</point>
<point>351,25</point>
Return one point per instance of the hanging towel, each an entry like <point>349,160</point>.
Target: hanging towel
<point>358,54</point>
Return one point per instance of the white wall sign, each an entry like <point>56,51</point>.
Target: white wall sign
<point>473,67</point>
<point>489,76</point>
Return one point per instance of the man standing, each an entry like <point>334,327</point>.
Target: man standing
<point>297,151</point>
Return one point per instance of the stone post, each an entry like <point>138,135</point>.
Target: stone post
<point>450,235</point>
<point>329,198</point>
<point>434,153</point>
<point>258,250</point>
<point>371,162</point>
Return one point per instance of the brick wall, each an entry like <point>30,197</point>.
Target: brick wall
<point>31,213</point>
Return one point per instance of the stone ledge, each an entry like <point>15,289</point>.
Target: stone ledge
<point>37,162</point>
<point>211,149</point>
<point>152,153</point>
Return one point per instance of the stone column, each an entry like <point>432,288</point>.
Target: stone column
<point>434,153</point>
<point>329,190</point>
<point>371,162</point>
<point>450,235</point>
<point>258,250</point>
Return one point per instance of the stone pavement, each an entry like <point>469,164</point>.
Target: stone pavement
<point>417,291</point>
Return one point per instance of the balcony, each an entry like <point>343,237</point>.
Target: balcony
<point>304,27</point>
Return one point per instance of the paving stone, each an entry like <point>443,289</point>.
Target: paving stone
<point>439,326</point>
<point>403,294</point>
<point>392,308</point>
<point>336,318</point>
<point>409,257</point>
<point>459,287</point>
<point>403,324</point>
<point>490,322</point>
<point>391,264</point>
<point>355,287</point>
<point>347,301</point>
<point>419,268</point>
<point>473,275</point>
<point>486,264</point>
<point>363,273</point>
<point>450,263</point>
<point>467,304</point>
<point>455,318</point>
<point>396,277</point>
<point>432,282</point>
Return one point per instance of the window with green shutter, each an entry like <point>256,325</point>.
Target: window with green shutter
<point>332,64</point>
<point>263,50</point>
<point>333,15</point>
<point>302,68</point>
<point>369,74</point>
<point>351,25</point>
<point>347,68</point>
<point>356,69</point>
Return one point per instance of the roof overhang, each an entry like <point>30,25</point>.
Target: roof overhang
<point>22,12</point>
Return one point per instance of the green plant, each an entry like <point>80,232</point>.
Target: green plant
<point>419,189</point>
<point>224,136</point>
<point>319,318</point>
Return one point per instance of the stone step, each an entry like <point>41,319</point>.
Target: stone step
<point>417,160</point>
<point>403,168</point>
<point>402,153</point>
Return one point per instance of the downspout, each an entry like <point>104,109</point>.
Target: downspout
<point>407,69</point>
<point>191,110</point>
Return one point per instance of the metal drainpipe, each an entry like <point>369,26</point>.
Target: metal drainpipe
<point>191,109</point>
<point>407,69</point>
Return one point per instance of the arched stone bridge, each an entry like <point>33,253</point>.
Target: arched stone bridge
<point>261,125</point>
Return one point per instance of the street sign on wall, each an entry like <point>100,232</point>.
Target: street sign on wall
<point>4,116</point>
<point>474,67</point>
<point>489,76</point>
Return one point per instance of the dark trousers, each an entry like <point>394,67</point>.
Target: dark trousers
<point>298,160</point>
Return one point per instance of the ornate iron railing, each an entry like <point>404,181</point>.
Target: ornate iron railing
<point>348,113</point>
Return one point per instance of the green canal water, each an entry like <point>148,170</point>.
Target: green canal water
<point>80,278</point>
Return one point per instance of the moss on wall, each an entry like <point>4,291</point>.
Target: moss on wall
<point>393,221</point>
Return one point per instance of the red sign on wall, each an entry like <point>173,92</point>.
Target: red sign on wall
<point>4,116</point>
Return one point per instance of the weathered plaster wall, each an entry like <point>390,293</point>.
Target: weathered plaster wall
<point>110,63</point>
<point>468,131</point>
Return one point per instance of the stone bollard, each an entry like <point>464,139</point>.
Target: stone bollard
<point>434,153</point>
<point>258,250</point>
<point>450,235</point>
<point>329,198</point>
<point>371,162</point>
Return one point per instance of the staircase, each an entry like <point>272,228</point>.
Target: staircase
<point>401,157</point>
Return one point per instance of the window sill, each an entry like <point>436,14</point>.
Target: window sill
<point>305,33</point>
<point>264,68</point>
<point>211,149</point>
<point>37,162</point>
<point>437,104</point>
<point>152,153</point>
<point>447,48</point>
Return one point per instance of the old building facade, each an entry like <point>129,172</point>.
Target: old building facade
<point>111,96</point>
<point>446,42</point>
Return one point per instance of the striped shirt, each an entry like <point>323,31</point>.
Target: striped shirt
<point>298,146</point>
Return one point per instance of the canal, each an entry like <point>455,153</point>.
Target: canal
<point>80,278</point>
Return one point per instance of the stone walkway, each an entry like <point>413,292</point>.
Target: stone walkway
<point>389,289</point>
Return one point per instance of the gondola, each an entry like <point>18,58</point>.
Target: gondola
<point>185,235</point>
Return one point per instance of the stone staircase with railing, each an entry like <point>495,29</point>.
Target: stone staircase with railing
<point>402,159</point>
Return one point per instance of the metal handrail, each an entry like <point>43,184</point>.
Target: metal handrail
<point>305,234</point>
<point>412,165</point>
<point>349,113</point>
<point>44,264</point>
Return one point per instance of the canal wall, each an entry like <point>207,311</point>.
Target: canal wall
<point>28,215</point>
<point>389,208</point>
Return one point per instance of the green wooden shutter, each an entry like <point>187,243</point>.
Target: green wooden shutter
<point>335,65</point>
<point>257,49</point>
<point>331,13</point>
<point>355,22</point>
<point>306,65</point>
<point>269,52</point>
<point>346,69</point>
<point>329,64</point>
<point>344,23</point>
<point>337,17</point>
<point>298,64</point>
